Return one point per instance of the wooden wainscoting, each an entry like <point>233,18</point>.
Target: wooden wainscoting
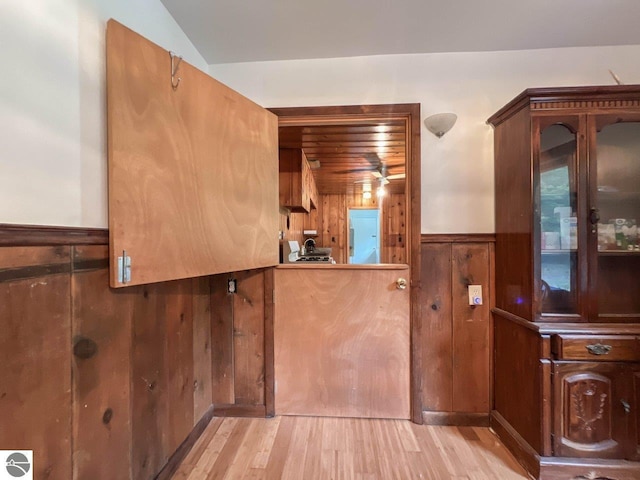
<point>242,341</point>
<point>456,337</point>
<point>99,383</point>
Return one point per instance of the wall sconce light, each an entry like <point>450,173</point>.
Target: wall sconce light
<point>440,123</point>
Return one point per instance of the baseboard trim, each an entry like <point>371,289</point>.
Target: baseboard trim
<point>39,235</point>
<point>225,410</point>
<point>185,447</point>
<point>456,419</point>
<point>524,453</point>
<point>558,468</point>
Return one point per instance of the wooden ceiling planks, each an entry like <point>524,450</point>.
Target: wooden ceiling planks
<point>349,153</point>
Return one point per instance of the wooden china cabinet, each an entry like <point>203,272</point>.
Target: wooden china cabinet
<point>567,309</point>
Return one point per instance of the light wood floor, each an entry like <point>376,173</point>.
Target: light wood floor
<point>306,448</point>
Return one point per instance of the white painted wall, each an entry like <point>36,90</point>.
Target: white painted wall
<point>52,103</point>
<point>457,170</point>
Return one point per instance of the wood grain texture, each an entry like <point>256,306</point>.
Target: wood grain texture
<point>222,388</point>
<point>437,328</point>
<point>513,187</point>
<point>338,353</point>
<point>201,181</point>
<point>20,257</point>
<point>149,420</point>
<point>291,448</point>
<point>22,235</point>
<point>588,418</point>
<point>471,354</point>
<point>101,381</point>
<point>112,365</point>
<point>517,383</point>
<point>457,238</point>
<point>201,347</point>
<point>178,357</point>
<point>269,374</point>
<point>35,353</point>
<point>248,338</point>
<point>575,347</point>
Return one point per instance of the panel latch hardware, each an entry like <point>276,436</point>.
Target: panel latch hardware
<point>124,268</point>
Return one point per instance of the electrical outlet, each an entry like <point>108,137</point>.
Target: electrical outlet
<point>475,294</point>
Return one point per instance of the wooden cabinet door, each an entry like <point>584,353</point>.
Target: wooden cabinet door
<point>341,342</point>
<point>193,170</point>
<point>590,419</point>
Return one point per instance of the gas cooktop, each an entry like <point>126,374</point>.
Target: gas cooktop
<point>314,258</point>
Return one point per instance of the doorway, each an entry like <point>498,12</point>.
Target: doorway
<point>364,235</point>
<point>409,116</point>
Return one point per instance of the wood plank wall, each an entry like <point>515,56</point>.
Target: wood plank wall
<point>330,220</point>
<point>99,383</point>
<point>242,336</point>
<point>456,337</point>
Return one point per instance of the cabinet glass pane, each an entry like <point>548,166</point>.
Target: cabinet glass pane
<point>558,222</point>
<point>618,209</point>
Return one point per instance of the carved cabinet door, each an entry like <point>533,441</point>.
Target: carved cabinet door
<point>592,409</point>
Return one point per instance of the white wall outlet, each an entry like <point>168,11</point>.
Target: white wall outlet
<point>475,294</point>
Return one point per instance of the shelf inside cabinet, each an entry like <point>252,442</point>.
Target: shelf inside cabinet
<point>618,253</point>
<point>558,251</point>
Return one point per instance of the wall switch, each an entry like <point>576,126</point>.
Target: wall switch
<point>475,294</point>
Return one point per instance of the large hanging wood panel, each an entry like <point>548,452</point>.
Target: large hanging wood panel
<point>342,341</point>
<point>193,171</point>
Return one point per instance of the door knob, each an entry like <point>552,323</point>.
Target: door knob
<point>401,284</point>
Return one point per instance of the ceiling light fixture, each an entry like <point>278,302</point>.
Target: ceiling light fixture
<point>440,123</point>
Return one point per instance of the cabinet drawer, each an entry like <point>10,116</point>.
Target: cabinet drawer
<point>607,348</point>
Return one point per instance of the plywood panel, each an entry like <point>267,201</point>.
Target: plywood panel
<point>470,264</point>
<point>201,347</point>
<point>35,354</point>
<point>341,340</point>
<point>437,334</point>
<point>193,171</point>
<point>101,332</point>
<point>248,338</point>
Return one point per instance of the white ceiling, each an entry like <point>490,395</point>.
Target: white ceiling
<point>228,31</point>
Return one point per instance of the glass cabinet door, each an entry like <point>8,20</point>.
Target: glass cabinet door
<point>557,222</point>
<point>614,216</point>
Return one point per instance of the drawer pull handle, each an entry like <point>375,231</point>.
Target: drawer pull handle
<point>626,406</point>
<point>598,349</point>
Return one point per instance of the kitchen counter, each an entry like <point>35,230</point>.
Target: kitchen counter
<point>342,266</point>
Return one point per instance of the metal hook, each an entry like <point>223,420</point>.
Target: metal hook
<point>174,70</point>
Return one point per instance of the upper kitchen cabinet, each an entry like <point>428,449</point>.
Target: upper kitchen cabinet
<point>193,169</point>
<point>568,204</point>
<point>298,191</point>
